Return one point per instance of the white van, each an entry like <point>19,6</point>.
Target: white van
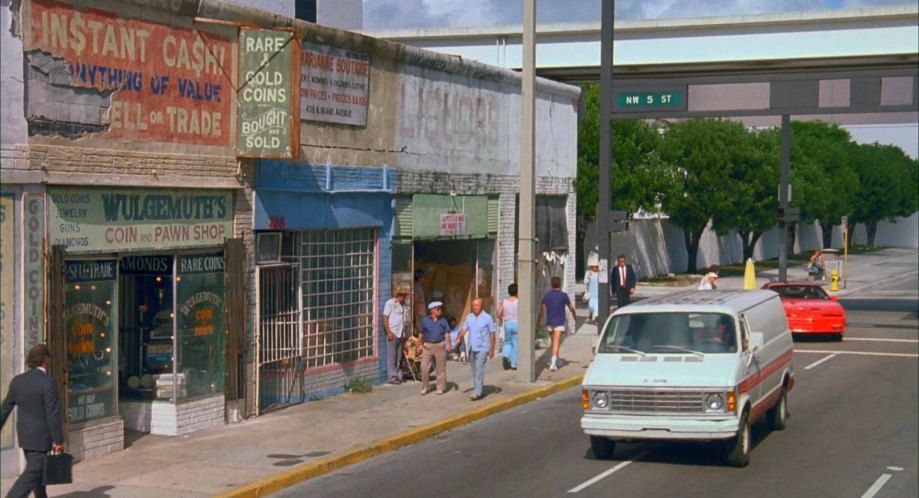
<point>690,366</point>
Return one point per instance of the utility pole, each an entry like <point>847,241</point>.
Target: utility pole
<point>526,243</point>
<point>783,198</point>
<point>607,13</point>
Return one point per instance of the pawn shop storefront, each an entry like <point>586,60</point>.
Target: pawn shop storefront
<point>141,276</point>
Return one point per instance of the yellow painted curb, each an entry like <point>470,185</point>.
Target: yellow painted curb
<point>307,471</point>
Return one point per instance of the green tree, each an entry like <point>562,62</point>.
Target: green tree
<point>636,165</point>
<point>710,163</point>
<point>824,179</point>
<point>747,200</point>
<point>886,185</point>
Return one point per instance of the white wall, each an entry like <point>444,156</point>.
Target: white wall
<point>656,246</point>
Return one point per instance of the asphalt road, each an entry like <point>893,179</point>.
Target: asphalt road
<point>853,432</point>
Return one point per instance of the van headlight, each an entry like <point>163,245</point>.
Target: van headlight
<point>601,399</point>
<point>714,402</point>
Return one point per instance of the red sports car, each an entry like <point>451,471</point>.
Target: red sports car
<point>810,310</point>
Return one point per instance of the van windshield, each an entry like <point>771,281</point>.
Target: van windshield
<point>670,333</point>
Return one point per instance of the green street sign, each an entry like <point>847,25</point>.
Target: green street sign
<point>629,100</point>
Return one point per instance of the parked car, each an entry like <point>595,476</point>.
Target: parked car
<point>810,310</point>
<point>691,366</point>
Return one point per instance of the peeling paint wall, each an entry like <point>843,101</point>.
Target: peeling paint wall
<point>13,128</point>
<point>127,77</point>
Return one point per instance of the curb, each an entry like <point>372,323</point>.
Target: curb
<point>305,472</point>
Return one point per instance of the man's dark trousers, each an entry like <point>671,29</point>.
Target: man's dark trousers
<point>623,297</point>
<point>31,478</point>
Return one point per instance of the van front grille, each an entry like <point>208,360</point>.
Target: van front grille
<point>655,401</point>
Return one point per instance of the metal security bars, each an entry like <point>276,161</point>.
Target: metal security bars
<point>279,337</point>
<point>338,280</point>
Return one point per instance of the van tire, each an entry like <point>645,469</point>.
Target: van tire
<point>739,447</point>
<point>837,337</point>
<point>602,447</point>
<point>778,415</point>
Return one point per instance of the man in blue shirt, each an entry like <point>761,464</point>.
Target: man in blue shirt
<point>435,331</point>
<point>481,329</point>
<point>553,308</point>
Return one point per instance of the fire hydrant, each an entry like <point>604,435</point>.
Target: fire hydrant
<point>834,280</point>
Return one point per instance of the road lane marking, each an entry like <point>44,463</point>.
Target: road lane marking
<point>606,474</point>
<point>872,339</point>
<point>858,353</point>
<point>898,469</point>
<point>873,490</point>
<point>821,360</point>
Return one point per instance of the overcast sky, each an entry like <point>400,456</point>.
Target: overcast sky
<point>389,14</point>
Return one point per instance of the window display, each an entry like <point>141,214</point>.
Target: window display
<point>90,320</point>
<point>200,315</point>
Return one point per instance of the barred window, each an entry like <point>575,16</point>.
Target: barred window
<point>338,281</point>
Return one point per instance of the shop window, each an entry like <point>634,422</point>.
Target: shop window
<point>338,284</point>
<point>90,322</point>
<point>200,319</point>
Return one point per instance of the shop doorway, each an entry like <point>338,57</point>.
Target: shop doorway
<point>458,271</point>
<point>146,291</point>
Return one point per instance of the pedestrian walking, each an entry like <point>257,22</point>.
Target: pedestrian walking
<point>592,280</point>
<point>480,328</point>
<point>38,422</point>
<point>433,343</point>
<point>714,269</point>
<point>623,282</point>
<point>507,313</point>
<point>394,315</point>
<point>709,281</point>
<point>553,308</point>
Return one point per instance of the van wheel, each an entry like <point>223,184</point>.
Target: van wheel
<point>837,337</point>
<point>739,449</point>
<point>778,415</point>
<point>602,447</point>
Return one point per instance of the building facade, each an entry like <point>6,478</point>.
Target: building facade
<point>204,207</point>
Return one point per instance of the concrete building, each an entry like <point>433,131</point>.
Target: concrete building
<point>201,238</point>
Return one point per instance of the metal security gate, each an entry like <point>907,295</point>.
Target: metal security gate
<point>278,337</point>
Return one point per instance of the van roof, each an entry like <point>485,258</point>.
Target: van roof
<point>701,300</point>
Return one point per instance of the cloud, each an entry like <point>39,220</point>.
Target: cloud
<point>391,14</point>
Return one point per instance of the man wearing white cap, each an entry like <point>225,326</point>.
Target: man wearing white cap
<point>394,314</point>
<point>431,345</point>
<point>709,281</point>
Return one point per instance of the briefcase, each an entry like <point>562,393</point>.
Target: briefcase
<point>58,469</point>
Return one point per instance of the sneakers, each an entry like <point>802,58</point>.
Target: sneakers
<point>424,390</point>
<point>475,397</point>
<point>394,381</point>
<point>553,368</point>
<point>506,362</point>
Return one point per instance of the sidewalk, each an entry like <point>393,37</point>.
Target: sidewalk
<point>264,454</point>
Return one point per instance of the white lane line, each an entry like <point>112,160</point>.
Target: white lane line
<point>858,353</point>
<point>821,360</point>
<point>897,469</point>
<point>605,474</point>
<point>873,490</point>
<point>873,339</point>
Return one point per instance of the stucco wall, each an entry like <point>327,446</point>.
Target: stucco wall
<point>656,246</point>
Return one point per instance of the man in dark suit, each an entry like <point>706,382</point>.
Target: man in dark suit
<point>38,424</point>
<point>622,281</point>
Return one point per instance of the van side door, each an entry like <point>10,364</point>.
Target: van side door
<point>750,362</point>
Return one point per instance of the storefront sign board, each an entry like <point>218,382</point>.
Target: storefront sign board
<point>33,317</point>
<point>167,83</point>
<point>452,224</point>
<point>106,220</point>
<point>334,85</point>
<point>268,125</point>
